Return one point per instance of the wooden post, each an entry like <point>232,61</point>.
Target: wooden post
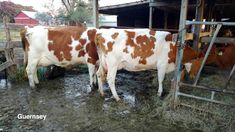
<point>198,17</point>
<point>95,13</point>
<point>8,38</point>
<point>9,54</point>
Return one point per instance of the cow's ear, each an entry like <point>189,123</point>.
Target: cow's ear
<point>188,67</point>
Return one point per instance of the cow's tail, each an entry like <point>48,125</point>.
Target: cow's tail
<point>25,45</point>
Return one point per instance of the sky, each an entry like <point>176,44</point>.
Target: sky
<point>38,4</point>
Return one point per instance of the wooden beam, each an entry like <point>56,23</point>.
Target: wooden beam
<point>16,44</point>
<point>12,44</point>
<point>189,36</point>
<point>6,65</point>
<point>220,40</point>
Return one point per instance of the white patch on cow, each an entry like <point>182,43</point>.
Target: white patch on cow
<point>170,67</point>
<point>74,53</point>
<point>50,41</point>
<point>188,67</point>
<point>220,53</point>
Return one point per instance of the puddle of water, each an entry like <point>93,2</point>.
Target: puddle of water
<point>4,84</point>
<point>130,99</point>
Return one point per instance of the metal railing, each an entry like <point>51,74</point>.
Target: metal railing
<point>177,84</point>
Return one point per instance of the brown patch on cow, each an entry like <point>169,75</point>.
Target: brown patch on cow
<point>143,47</point>
<point>82,41</point>
<point>189,54</point>
<point>196,63</point>
<point>114,36</point>
<point>169,37</point>
<point>110,46</point>
<point>152,32</point>
<point>25,43</point>
<point>130,38</point>
<point>100,41</point>
<point>81,53</point>
<point>80,47</point>
<point>142,61</point>
<point>60,40</point>
<point>126,50</point>
<point>225,56</point>
<point>172,53</point>
<point>91,47</point>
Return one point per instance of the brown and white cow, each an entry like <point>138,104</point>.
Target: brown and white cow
<point>221,57</point>
<point>136,50</point>
<point>61,46</point>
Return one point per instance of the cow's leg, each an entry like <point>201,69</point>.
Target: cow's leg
<point>161,75</point>
<point>100,76</point>
<point>95,77</point>
<point>112,71</point>
<point>91,69</point>
<point>30,69</point>
<point>35,77</point>
<point>25,62</point>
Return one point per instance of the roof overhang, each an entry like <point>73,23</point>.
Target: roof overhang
<point>116,9</point>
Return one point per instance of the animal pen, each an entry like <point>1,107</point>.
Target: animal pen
<point>177,84</point>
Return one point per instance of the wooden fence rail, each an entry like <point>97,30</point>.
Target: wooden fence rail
<point>7,46</point>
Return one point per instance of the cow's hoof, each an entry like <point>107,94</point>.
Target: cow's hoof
<point>33,87</point>
<point>101,94</point>
<point>159,94</point>
<point>117,99</point>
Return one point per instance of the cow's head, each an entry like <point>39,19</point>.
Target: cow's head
<point>192,67</point>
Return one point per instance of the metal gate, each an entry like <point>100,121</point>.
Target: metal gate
<point>177,84</point>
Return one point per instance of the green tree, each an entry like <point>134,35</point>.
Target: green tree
<point>44,17</point>
<point>77,11</point>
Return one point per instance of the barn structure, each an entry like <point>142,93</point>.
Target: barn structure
<point>26,18</point>
<point>165,14</point>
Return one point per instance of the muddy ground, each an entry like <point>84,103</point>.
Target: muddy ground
<point>70,105</point>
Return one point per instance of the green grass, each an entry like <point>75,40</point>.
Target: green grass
<point>18,75</point>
